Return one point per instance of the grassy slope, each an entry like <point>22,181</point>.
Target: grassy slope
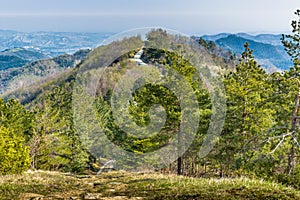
<point>121,185</point>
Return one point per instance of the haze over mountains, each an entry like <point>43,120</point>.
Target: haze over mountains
<point>29,57</point>
<point>50,43</point>
<point>268,49</point>
<point>273,39</point>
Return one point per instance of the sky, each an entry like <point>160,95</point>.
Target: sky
<point>195,17</point>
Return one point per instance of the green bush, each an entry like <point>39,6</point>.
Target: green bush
<point>14,155</point>
<point>293,180</point>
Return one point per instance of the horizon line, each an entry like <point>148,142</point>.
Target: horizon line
<point>252,33</point>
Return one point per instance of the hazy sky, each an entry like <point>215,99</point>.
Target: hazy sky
<point>188,16</point>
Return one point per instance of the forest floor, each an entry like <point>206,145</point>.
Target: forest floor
<point>122,185</point>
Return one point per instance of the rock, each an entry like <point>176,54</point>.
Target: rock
<point>91,196</point>
<point>115,183</point>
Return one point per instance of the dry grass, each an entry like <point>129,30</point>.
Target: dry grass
<point>122,185</point>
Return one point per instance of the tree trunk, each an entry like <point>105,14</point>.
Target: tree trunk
<point>179,163</point>
<point>291,155</point>
<point>179,160</point>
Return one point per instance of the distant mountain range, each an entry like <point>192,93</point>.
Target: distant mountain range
<point>27,59</point>
<point>35,73</point>
<point>50,43</point>
<point>268,49</point>
<point>273,39</point>
<point>18,57</point>
<point>20,48</point>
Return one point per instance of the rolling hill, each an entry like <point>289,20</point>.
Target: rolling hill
<point>38,71</point>
<point>17,57</point>
<point>267,48</point>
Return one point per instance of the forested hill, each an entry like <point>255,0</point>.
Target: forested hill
<point>267,55</point>
<point>18,57</point>
<point>258,139</point>
<point>18,83</point>
<point>31,75</point>
<point>51,103</point>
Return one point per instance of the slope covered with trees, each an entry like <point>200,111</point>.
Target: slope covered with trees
<point>260,136</point>
<point>36,72</point>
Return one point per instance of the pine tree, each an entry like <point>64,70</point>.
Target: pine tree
<point>56,144</point>
<point>292,42</point>
<point>248,116</point>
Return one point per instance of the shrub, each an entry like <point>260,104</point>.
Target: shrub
<point>14,155</point>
